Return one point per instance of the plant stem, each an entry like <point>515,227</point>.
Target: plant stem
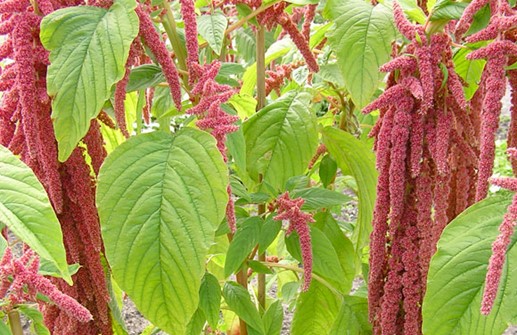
<point>242,279</point>
<point>170,28</point>
<point>15,322</point>
<point>300,270</point>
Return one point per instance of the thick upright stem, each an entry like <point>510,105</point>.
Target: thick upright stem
<point>170,28</point>
<point>15,323</point>
<point>242,278</point>
<point>261,102</point>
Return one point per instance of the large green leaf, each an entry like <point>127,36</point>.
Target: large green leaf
<point>160,199</point>
<point>88,47</point>
<point>352,318</point>
<point>361,39</point>
<point>26,210</point>
<point>280,140</point>
<point>212,28</point>
<point>356,157</point>
<point>315,311</point>
<point>457,275</point>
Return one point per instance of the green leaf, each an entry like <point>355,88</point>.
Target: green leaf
<point>457,275</point>
<point>37,319</point>
<point>447,10</point>
<point>144,76</point>
<point>239,301</point>
<point>342,244</point>
<point>361,39</point>
<point>163,106</point>
<point>316,198</point>
<point>280,140</point>
<point>88,48</point>
<point>315,311</point>
<point>469,70</point>
<point>273,318</point>
<point>195,326</point>
<point>4,329</point>
<point>210,298</point>
<point>353,316</point>
<point>325,260</point>
<point>242,244</point>
<point>160,199</point>
<point>244,104</point>
<point>413,11</point>
<point>268,233</point>
<point>355,156</point>
<point>26,210</point>
<point>327,170</point>
<point>211,28</point>
<point>259,267</point>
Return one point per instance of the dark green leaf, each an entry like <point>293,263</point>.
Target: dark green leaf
<point>268,233</point>
<point>258,267</point>
<point>447,10</point>
<point>327,170</point>
<point>152,190</point>
<point>239,301</point>
<point>88,47</point>
<point>144,76</point>
<point>210,299</point>
<point>195,326</point>
<point>242,244</point>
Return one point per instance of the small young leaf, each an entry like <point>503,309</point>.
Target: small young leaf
<point>26,210</point>
<point>469,70</point>
<point>273,318</point>
<point>239,301</point>
<point>36,317</point>
<point>258,267</point>
<point>242,244</point>
<point>327,170</point>
<point>210,299</point>
<point>195,326</point>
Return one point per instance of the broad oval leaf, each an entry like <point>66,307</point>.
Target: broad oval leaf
<point>242,244</point>
<point>160,199</point>
<point>212,28</point>
<point>356,157</point>
<point>457,275</point>
<point>26,210</point>
<point>315,311</point>
<point>88,48</point>
<point>280,140</point>
<point>361,39</point>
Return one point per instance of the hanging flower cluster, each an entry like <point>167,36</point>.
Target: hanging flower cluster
<point>26,129</point>
<point>290,210</point>
<point>20,283</point>
<point>500,245</point>
<point>424,126</point>
<point>275,78</point>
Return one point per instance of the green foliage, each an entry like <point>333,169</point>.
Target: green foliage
<point>88,47</point>
<point>361,39</point>
<point>211,28</point>
<point>280,140</point>
<point>242,244</point>
<point>26,210</point>
<point>355,158</point>
<point>239,301</point>
<point>352,317</point>
<point>457,274</point>
<point>210,299</point>
<point>152,190</point>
